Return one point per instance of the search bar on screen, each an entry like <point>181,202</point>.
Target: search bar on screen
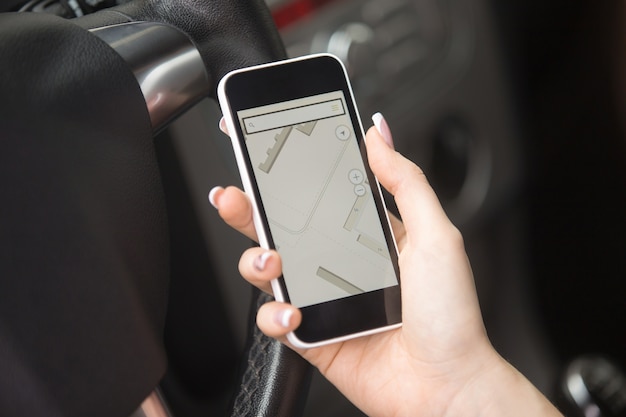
<point>294,116</point>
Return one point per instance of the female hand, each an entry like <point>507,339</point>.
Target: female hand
<point>440,362</point>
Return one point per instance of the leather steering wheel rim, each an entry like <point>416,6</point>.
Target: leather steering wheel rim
<point>69,225</point>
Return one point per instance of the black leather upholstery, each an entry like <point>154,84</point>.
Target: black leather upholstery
<point>83,229</point>
<point>84,260</point>
<point>274,380</point>
<point>228,34</point>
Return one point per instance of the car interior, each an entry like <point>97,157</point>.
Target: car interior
<point>515,110</point>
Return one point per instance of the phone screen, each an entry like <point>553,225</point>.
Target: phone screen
<point>317,196</point>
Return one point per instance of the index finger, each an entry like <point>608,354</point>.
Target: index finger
<point>235,209</point>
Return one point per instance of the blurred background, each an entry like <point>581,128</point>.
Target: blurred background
<point>516,111</point>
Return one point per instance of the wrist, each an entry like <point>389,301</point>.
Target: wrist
<point>498,389</point>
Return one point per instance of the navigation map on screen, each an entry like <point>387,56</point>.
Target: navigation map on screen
<point>317,198</point>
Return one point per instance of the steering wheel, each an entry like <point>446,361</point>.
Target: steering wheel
<point>85,259</point>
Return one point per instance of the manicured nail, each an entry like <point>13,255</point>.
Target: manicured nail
<point>383,129</point>
<point>283,318</point>
<point>212,195</point>
<point>261,260</point>
<point>222,125</point>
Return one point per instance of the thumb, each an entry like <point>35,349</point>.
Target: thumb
<point>416,200</point>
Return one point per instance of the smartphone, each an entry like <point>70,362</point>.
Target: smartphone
<point>300,151</point>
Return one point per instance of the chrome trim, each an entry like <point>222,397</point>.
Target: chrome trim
<point>152,406</point>
<point>167,65</point>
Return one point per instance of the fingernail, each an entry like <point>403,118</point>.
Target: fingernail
<point>283,317</point>
<point>383,129</point>
<point>212,195</point>
<point>261,260</point>
<point>222,125</point>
